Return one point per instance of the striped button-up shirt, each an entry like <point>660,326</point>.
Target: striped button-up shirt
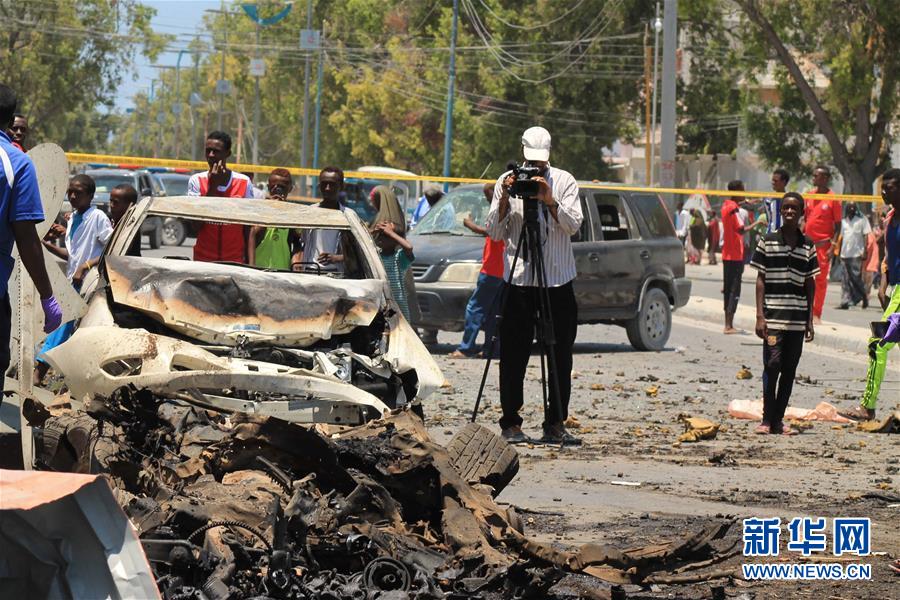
<point>556,242</point>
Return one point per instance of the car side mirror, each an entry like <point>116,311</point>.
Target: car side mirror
<point>146,192</point>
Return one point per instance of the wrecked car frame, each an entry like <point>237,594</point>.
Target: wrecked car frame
<point>305,347</point>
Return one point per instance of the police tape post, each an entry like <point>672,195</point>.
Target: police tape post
<point>139,162</point>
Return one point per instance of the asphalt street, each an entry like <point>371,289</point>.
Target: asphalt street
<point>707,283</point>
<point>632,482</point>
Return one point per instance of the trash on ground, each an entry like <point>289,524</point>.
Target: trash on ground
<point>744,373</point>
<point>697,428</point>
<point>753,409</point>
<point>890,424</point>
<point>238,505</point>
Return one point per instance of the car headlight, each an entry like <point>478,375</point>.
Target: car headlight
<point>461,273</point>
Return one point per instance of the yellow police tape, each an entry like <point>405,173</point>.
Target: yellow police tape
<point>77,157</point>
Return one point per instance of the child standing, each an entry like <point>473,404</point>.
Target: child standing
<point>785,290</point>
<point>86,234</point>
<point>396,251</point>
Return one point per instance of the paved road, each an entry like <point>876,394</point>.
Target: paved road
<point>630,433</point>
<point>707,283</point>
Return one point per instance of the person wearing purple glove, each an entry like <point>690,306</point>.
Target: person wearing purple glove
<point>890,302</point>
<point>20,210</point>
<point>892,336</point>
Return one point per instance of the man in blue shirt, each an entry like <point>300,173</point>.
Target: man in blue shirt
<point>772,205</point>
<point>430,197</point>
<point>20,209</point>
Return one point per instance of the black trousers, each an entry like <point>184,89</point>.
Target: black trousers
<point>732,271</point>
<point>517,333</point>
<point>781,354</point>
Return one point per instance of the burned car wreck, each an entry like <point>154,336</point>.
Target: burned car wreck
<point>250,506</point>
<point>260,431</point>
<point>313,346</point>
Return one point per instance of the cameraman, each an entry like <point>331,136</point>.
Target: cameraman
<point>559,217</point>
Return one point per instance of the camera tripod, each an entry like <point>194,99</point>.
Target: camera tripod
<point>530,240</point>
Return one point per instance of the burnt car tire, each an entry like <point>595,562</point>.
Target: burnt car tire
<point>482,456</point>
<point>650,329</point>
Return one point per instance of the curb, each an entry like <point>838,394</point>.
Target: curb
<point>828,335</point>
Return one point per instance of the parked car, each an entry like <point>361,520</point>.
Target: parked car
<point>356,196</point>
<point>146,184</point>
<point>174,230</point>
<point>311,347</point>
<point>630,264</point>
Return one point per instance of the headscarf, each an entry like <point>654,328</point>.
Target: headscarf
<point>389,210</point>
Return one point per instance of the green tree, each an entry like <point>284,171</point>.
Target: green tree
<point>384,92</point>
<point>854,44</point>
<point>67,58</point>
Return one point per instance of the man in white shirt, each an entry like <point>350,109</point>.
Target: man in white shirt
<point>855,229</point>
<point>559,217</point>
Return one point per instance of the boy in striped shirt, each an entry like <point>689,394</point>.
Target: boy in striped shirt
<point>785,289</point>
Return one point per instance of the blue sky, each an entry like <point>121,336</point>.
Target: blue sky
<point>173,17</point>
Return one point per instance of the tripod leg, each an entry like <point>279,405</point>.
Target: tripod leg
<point>553,412</point>
<point>504,296</point>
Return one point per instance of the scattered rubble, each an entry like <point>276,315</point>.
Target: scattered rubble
<point>697,428</point>
<point>243,506</point>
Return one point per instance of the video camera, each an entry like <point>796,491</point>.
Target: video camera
<point>524,186</point>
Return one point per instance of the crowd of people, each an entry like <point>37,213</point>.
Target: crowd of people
<point>793,242</point>
<point>790,240</point>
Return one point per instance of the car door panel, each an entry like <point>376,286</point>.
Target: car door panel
<point>615,258</point>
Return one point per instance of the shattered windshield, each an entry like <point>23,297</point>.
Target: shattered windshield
<point>446,217</point>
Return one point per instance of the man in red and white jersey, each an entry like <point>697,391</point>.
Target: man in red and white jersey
<point>220,242</point>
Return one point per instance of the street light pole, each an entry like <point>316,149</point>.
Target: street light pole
<point>451,84</point>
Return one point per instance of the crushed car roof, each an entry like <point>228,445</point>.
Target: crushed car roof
<point>248,211</point>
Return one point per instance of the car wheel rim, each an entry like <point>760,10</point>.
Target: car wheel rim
<point>656,320</point>
<point>170,233</point>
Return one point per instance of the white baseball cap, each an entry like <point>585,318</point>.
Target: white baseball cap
<point>536,144</point>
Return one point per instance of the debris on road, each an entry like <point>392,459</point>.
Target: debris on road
<point>890,424</point>
<point>697,428</point>
<point>245,505</point>
<point>753,409</point>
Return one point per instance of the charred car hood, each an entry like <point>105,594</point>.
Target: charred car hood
<point>216,302</point>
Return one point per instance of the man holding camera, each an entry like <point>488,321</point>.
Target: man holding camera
<point>557,209</point>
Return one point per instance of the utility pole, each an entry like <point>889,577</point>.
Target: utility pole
<point>648,54</point>
<point>320,76</point>
<point>222,76</point>
<point>304,150</point>
<point>657,28</point>
<point>176,108</point>
<point>256,107</point>
<point>191,104</point>
<point>667,115</point>
<point>451,84</point>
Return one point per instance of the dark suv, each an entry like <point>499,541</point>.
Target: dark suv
<point>630,264</point>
